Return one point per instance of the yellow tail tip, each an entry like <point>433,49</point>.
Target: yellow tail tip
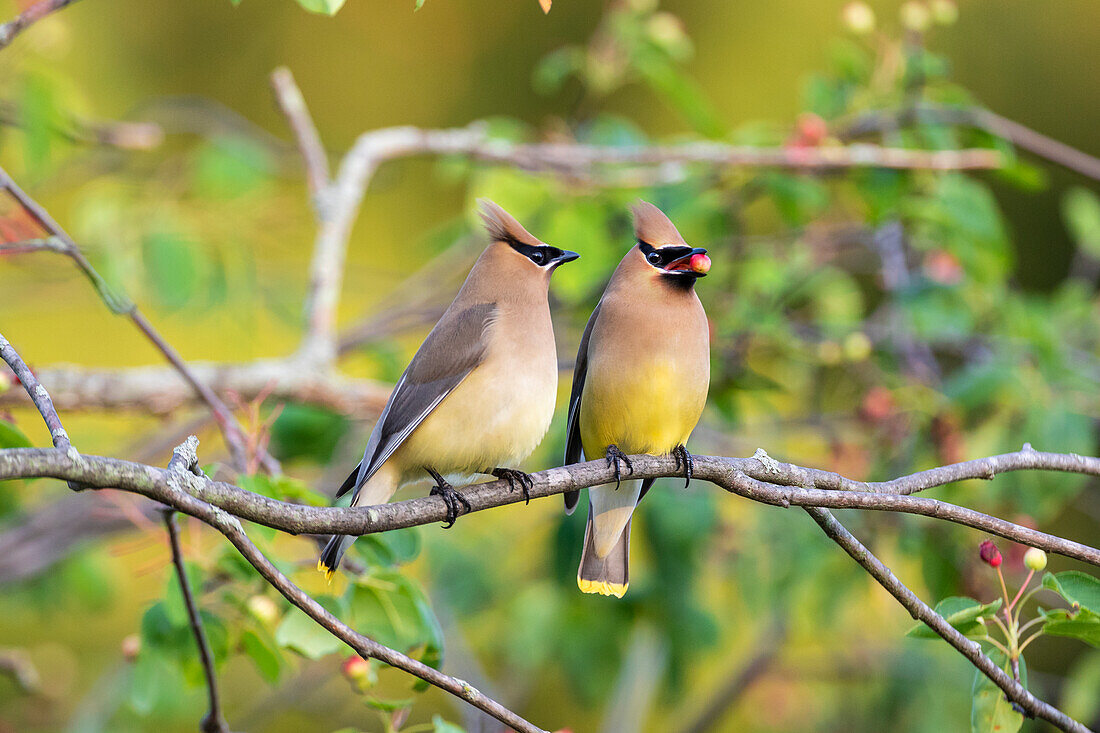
<point>603,587</point>
<point>329,572</point>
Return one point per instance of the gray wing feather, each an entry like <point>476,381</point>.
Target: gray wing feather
<point>573,448</point>
<point>454,347</point>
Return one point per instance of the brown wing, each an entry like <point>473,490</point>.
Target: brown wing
<point>573,448</point>
<point>454,347</point>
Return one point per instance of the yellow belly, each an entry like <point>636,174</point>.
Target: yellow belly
<point>648,409</point>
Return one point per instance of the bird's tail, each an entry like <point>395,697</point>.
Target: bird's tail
<point>609,575</point>
<point>377,490</point>
<point>604,567</point>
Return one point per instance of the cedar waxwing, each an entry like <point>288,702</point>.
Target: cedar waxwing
<point>479,394</point>
<point>639,385</point>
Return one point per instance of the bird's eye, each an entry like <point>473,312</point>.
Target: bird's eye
<point>538,257</point>
<point>654,258</point>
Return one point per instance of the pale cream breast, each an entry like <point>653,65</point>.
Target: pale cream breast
<point>498,414</point>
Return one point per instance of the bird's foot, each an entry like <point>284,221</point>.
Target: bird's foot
<point>614,458</point>
<point>685,461</point>
<point>514,477</point>
<point>454,500</point>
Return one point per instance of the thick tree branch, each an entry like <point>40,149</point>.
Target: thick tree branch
<point>213,721</point>
<point>33,14</point>
<point>365,646</point>
<point>61,242</point>
<point>921,611</point>
<point>759,478</point>
<point>183,487</point>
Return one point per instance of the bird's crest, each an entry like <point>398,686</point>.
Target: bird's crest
<point>503,227</point>
<point>653,227</point>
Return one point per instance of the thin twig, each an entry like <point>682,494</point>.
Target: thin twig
<point>122,134</point>
<point>213,721</point>
<point>1018,134</point>
<point>921,611</point>
<point>231,429</point>
<point>33,14</point>
<point>293,106</point>
<point>37,393</point>
<point>365,646</point>
<point>778,484</point>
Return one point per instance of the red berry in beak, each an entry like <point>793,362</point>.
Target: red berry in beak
<point>700,263</point>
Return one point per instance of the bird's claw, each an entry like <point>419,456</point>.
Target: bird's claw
<point>451,498</point>
<point>686,461</point>
<point>614,457</point>
<point>513,477</point>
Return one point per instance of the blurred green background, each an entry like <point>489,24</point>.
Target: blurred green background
<point>992,341</point>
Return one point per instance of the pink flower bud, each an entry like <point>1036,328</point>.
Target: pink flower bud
<point>990,554</point>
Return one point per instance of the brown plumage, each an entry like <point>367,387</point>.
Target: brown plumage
<point>480,392</point>
<point>639,384</point>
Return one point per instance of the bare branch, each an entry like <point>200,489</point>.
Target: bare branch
<point>212,722</point>
<point>37,393</point>
<point>339,205</point>
<point>778,484</point>
<point>365,646</point>
<point>122,134</point>
<point>1018,134</point>
<point>161,390</point>
<point>33,14</point>
<point>921,611</point>
<point>293,106</point>
<point>62,242</point>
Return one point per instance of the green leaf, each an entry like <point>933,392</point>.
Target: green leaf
<point>305,636</point>
<point>1079,699</point>
<point>419,4</point>
<point>233,165</point>
<point>12,437</point>
<point>281,487</point>
<point>1076,587</point>
<point>391,608</point>
<point>325,7</point>
<point>171,267</point>
<point>555,68</point>
<point>1083,625</point>
<point>1081,211</point>
<point>443,726</point>
<point>155,677</point>
<point>960,612</point>
<point>387,706</point>
<point>990,712</point>
<point>174,605</point>
<point>261,650</point>
<point>303,431</point>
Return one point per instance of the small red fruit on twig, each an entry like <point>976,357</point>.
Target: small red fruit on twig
<point>990,554</point>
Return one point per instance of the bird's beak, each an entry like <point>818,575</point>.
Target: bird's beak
<point>564,257</point>
<point>694,263</point>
